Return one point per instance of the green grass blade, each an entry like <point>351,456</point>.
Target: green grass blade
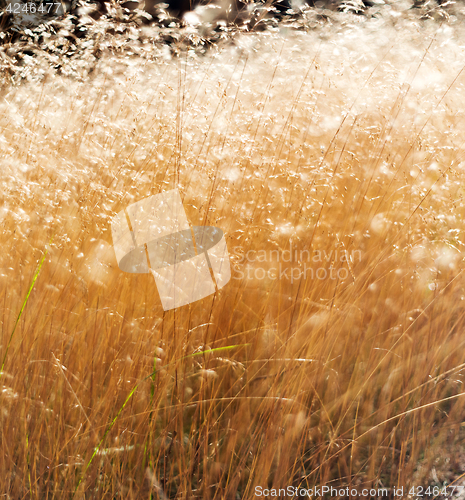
<point>134,389</point>
<point>34,279</point>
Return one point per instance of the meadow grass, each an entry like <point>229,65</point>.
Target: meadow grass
<point>344,146</point>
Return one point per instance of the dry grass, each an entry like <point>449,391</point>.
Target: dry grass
<point>351,143</point>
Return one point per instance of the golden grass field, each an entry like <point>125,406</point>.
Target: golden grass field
<point>342,142</point>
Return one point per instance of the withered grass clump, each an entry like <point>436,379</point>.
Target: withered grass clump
<point>349,148</point>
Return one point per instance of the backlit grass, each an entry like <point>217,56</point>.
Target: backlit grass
<point>346,149</point>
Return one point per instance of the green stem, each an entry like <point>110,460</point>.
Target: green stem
<point>24,305</point>
<point>112,423</point>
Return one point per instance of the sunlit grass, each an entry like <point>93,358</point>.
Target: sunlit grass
<point>348,148</point>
